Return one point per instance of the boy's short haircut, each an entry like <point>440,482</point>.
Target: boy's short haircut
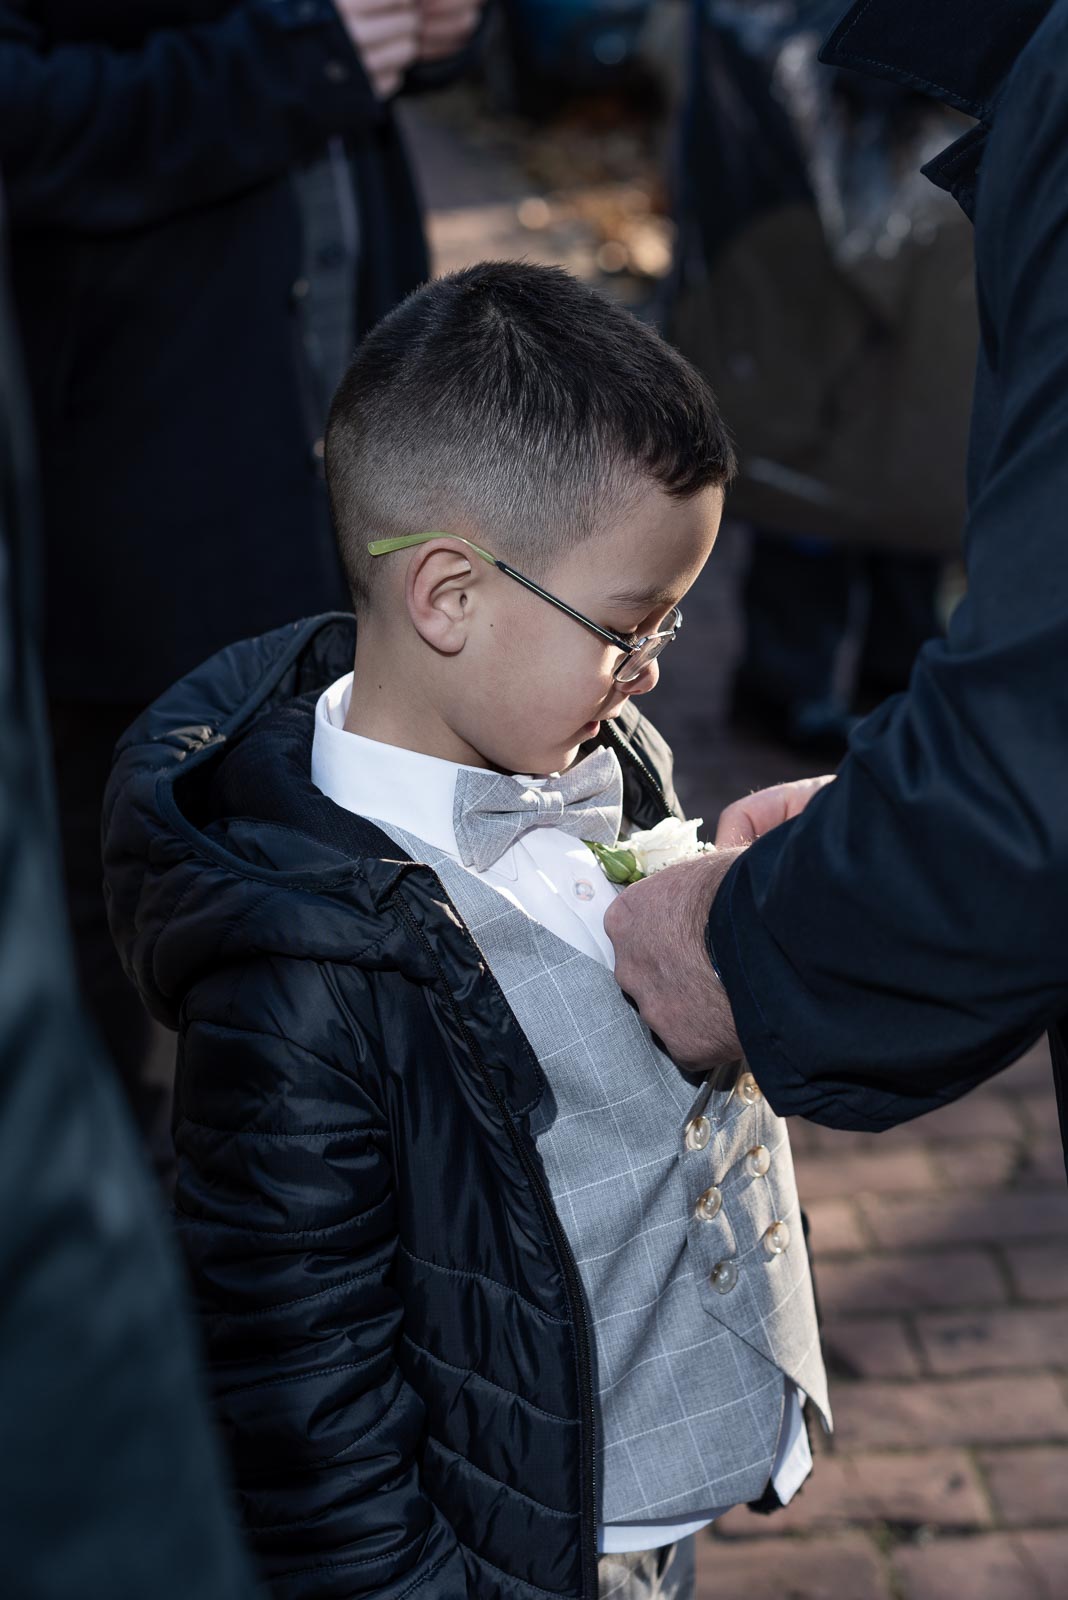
<point>517,402</point>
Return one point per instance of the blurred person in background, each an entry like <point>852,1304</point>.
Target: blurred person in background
<point>826,289</point>
<point>210,203</point>
<point>807,602</point>
<point>111,1485</point>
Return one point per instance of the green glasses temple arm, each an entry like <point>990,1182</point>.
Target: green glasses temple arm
<point>386,547</point>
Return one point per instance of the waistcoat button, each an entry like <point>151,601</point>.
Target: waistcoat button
<point>724,1276</point>
<point>698,1133</point>
<point>748,1089</point>
<point>777,1239</point>
<point>758,1161</point>
<point>709,1205</point>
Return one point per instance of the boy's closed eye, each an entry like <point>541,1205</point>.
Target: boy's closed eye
<point>639,609</point>
<point>635,620</point>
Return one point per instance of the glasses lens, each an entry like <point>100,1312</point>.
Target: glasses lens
<point>633,666</point>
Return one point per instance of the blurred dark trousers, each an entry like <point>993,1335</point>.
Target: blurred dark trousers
<point>802,599</point>
<point>83,738</point>
<point>667,1574</point>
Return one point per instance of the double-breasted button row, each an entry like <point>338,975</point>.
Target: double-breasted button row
<point>724,1275</point>
<point>698,1131</point>
<point>757,1164</point>
<point>696,1135</point>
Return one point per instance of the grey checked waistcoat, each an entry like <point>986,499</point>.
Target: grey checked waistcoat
<point>690,1378</point>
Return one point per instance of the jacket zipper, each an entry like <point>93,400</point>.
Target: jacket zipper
<point>588,1509</point>
<point>636,761</point>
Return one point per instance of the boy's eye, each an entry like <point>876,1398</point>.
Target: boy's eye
<point>644,628</point>
<point>631,635</point>
<point>633,631</point>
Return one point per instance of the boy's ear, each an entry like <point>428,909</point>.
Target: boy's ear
<point>438,591</point>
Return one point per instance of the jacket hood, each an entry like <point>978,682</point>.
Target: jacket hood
<point>218,846</point>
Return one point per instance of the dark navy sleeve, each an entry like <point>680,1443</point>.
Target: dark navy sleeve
<point>905,938</point>
<point>98,139</point>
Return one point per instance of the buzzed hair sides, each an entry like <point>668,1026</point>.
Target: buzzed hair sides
<point>516,401</point>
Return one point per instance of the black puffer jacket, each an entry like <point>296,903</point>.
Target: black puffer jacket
<point>392,1314</point>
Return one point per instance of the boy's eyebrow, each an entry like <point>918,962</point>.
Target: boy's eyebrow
<point>648,599</point>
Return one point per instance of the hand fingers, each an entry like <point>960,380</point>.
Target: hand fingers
<point>747,819</point>
<point>375,32</point>
<point>446,36</point>
<point>444,10</point>
<point>386,63</point>
<point>443,41</point>
<point>395,55</point>
<point>440,50</point>
<point>357,12</point>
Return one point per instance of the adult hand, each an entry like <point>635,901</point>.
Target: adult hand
<point>386,35</point>
<point>745,820</point>
<point>658,929</point>
<point>445,27</point>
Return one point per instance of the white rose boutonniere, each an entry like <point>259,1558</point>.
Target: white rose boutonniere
<point>651,850</point>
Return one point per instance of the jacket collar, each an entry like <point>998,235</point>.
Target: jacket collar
<point>958,51</point>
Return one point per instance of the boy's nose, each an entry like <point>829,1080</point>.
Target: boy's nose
<point>647,679</point>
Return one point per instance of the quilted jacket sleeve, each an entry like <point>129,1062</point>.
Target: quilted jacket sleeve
<point>286,1210</point>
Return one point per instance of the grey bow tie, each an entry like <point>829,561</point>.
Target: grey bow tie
<point>491,811</point>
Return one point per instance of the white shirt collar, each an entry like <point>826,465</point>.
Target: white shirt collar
<point>411,790</point>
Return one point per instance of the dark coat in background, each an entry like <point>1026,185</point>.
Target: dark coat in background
<point>392,1314</point>
<point>110,1480</point>
<point>905,937</point>
<point>149,149</point>
<point>209,206</point>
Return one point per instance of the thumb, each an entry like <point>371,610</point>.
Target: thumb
<point>747,819</point>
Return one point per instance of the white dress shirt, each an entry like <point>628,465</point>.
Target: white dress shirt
<point>548,874</point>
<point>555,880</point>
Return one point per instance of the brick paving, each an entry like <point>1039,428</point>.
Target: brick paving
<point>940,1248</point>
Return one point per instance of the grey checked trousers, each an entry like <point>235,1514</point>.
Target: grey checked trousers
<point>667,1574</point>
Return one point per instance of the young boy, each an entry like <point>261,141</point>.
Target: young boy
<point>497,1302</point>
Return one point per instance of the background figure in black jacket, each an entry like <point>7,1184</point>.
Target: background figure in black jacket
<point>825,289</point>
<point>209,203</point>
<point>110,1484</point>
<point>904,938</point>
